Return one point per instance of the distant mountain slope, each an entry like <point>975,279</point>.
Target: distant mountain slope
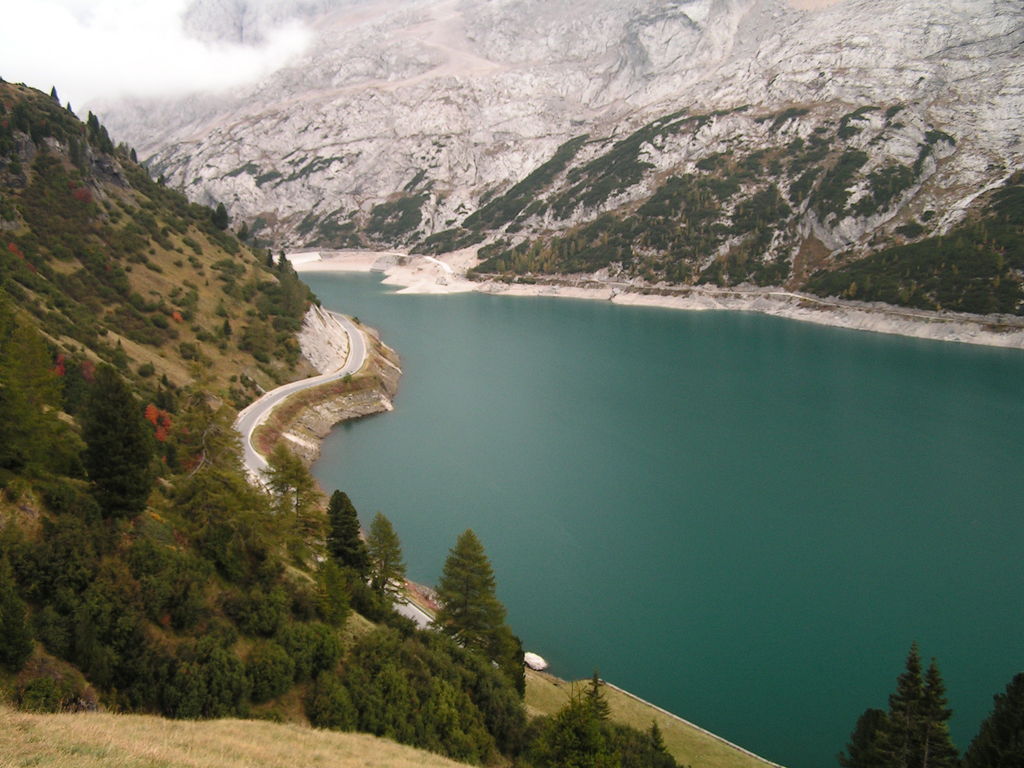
<point>867,122</point>
<point>831,207</point>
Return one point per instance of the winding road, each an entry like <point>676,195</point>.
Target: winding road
<point>259,410</point>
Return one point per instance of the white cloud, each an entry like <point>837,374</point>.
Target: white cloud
<point>92,49</point>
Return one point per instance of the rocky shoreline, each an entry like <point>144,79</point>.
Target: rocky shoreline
<point>422,274</point>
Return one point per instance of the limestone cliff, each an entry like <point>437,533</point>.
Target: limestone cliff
<point>405,117</point>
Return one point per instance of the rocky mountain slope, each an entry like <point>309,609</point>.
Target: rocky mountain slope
<point>730,140</point>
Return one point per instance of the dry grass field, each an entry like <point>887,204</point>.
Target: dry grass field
<point>140,741</point>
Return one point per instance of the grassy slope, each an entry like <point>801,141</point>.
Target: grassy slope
<point>140,741</point>
<point>179,271</point>
<point>689,745</point>
<point>130,741</point>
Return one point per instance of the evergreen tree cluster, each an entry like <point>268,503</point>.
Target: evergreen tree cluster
<point>914,731</point>
<point>581,735</point>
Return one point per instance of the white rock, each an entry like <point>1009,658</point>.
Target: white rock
<point>533,661</point>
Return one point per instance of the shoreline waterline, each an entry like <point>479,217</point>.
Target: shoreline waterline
<point>415,274</point>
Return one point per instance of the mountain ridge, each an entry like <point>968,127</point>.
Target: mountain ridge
<point>402,124</point>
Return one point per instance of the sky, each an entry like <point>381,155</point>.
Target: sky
<point>99,49</point>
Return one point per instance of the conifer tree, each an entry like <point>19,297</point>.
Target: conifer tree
<point>595,699</point>
<point>1000,739</point>
<point>294,486</point>
<point>573,737</point>
<point>207,438</point>
<point>220,217</point>
<point>387,570</point>
<point>334,598</point>
<point>15,634</point>
<point>937,748</point>
<point>344,543</point>
<point>901,744</point>
<point>862,751</point>
<point>915,731</point>
<point>657,741</point>
<point>470,610</point>
<point>118,446</point>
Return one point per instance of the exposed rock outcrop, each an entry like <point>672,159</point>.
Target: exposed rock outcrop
<point>439,104</point>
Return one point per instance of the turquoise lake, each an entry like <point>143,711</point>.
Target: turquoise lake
<point>743,519</point>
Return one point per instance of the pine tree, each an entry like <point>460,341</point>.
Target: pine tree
<point>334,598</point>
<point>901,743</point>
<point>344,543</point>
<point>595,699</point>
<point>15,634</point>
<point>470,610</point>
<point>657,741</point>
<point>387,571</point>
<point>220,217</point>
<point>295,488</point>
<point>506,650</point>
<point>573,737</point>
<point>118,446</point>
<point>863,749</point>
<point>915,731</point>
<point>53,94</point>
<point>937,747</point>
<point>206,438</point>
<point>1000,739</point>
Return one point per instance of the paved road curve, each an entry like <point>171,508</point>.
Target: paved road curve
<point>257,412</point>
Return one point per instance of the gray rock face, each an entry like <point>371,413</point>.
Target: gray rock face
<point>248,21</point>
<point>453,101</point>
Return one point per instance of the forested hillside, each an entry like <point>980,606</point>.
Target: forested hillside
<point>795,199</point>
<point>140,570</point>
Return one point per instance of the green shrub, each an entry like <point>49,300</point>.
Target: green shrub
<point>330,705</point>
<point>314,648</point>
<point>270,671</point>
<point>42,694</point>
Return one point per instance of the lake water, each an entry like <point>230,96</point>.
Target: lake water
<point>743,519</point>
